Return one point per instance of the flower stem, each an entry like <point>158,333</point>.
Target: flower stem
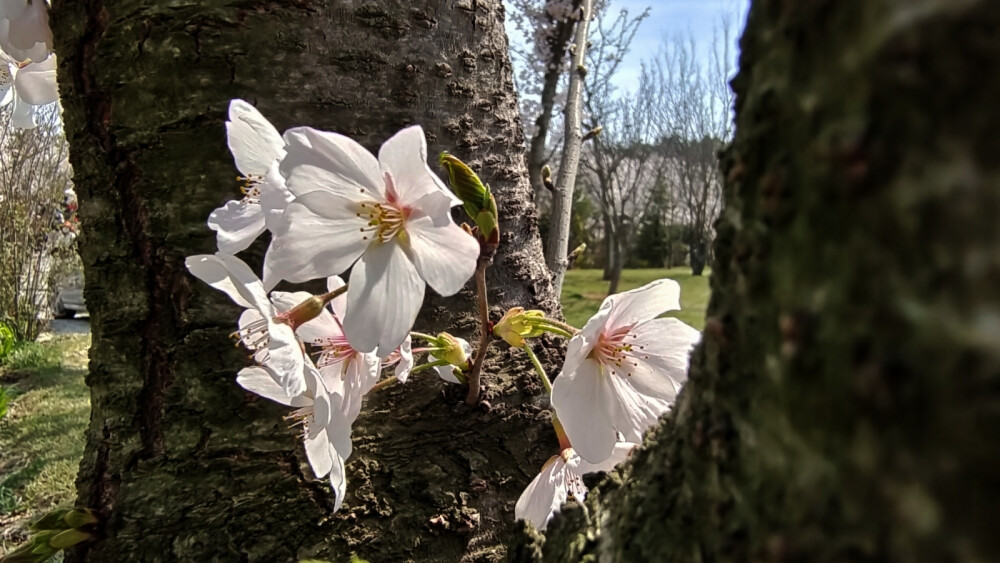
<point>429,365</point>
<point>485,337</point>
<point>559,326</point>
<point>538,367</point>
<point>331,295</point>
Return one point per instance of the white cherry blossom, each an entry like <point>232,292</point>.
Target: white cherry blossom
<point>24,29</point>
<point>262,327</point>
<point>561,477</point>
<point>623,370</point>
<point>388,217</point>
<point>344,369</point>
<point>326,434</point>
<point>26,86</point>
<point>257,147</point>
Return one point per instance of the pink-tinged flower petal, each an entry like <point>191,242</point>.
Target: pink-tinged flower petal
<point>618,455</point>
<point>254,142</point>
<point>582,403</point>
<point>644,303</point>
<point>36,82</point>
<point>582,343</point>
<point>321,236</point>
<point>339,303</point>
<point>237,224</point>
<point>661,352</point>
<point>319,160</point>
<point>231,276</point>
<point>404,156</point>
<point>320,329</point>
<point>444,255</point>
<point>264,382</point>
<point>383,299</point>
<point>544,495</point>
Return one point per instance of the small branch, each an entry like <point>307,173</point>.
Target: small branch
<point>485,259</point>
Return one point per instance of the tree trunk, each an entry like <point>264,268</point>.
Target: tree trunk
<point>181,463</point>
<point>697,252</point>
<point>843,405</point>
<point>617,265</point>
<point>609,247</point>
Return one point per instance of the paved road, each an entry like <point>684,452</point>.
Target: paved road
<point>78,325</point>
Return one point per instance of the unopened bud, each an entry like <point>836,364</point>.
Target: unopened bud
<point>453,351</point>
<point>52,520</point>
<point>518,324</point>
<point>79,517</point>
<point>476,198</point>
<point>68,538</point>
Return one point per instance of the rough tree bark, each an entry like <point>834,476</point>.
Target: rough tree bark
<point>180,462</point>
<point>844,403</point>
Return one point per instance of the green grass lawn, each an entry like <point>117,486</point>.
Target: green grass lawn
<point>584,290</point>
<point>41,438</point>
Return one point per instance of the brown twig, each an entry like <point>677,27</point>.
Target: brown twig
<point>485,259</point>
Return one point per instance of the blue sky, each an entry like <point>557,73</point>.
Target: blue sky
<point>672,17</point>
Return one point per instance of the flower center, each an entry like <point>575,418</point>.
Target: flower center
<point>614,352</point>
<point>249,185</point>
<point>253,335</point>
<point>385,219</point>
<point>335,350</point>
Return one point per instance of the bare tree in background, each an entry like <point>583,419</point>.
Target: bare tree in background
<point>34,234</point>
<point>622,166</point>
<point>693,116</point>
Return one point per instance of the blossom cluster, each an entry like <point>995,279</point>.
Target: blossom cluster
<point>332,206</point>
<point>27,64</point>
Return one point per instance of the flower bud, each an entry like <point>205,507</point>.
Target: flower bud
<point>518,324</point>
<point>79,517</point>
<point>52,520</point>
<point>68,538</point>
<point>476,198</point>
<point>452,351</point>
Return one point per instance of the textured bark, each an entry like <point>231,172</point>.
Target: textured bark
<point>180,462</point>
<point>844,403</point>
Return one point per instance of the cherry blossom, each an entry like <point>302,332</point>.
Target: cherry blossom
<point>391,215</point>
<point>24,29</point>
<point>27,86</point>
<point>263,328</point>
<point>623,370</point>
<point>257,147</point>
<point>560,478</point>
<point>326,434</point>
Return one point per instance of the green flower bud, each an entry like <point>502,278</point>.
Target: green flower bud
<point>79,517</point>
<point>52,520</point>
<point>452,351</point>
<point>476,198</point>
<point>68,538</point>
<point>518,324</point>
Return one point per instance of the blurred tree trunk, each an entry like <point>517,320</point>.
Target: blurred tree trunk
<point>844,404</point>
<point>181,463</point>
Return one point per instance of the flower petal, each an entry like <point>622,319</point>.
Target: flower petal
<point>339,303</point>
<point>236,224</point>
<point>285,358</point>
<point>264,382</point>
<point>274,198</point>
<point>404,156</point>
<point>321,237</point>
<point>618,455</point>
<point>36,82</point>
<point>633,412</point>
<point>338,482</point>
<point>254,142</point>
<point>319,160</point>
<point>582,403</point>
<point>383,300</point>
<point>544,495</point>
<point>445,256</point>
<point>405,363</point>
<point>319,451</point>
<point>661,357</point>
<point>643,303</point>
<point>231,276</point>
